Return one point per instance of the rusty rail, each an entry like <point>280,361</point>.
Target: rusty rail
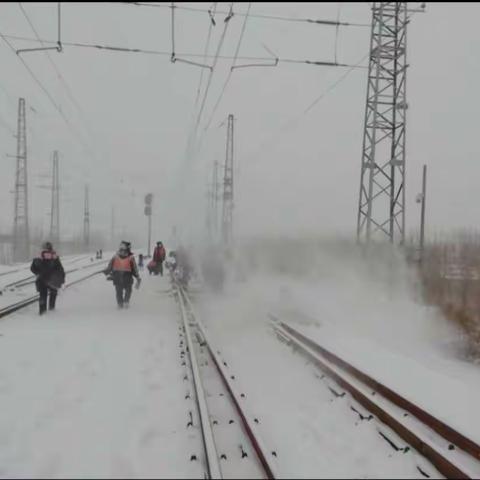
<point>444,465</point>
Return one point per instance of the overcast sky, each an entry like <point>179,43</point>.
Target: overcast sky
<point>137,109</point>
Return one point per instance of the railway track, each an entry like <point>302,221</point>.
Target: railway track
<point>450,452</point>
<point>27,267</point>
<point>232,446</point>
<point>34,298</point>
<point>30,279</point>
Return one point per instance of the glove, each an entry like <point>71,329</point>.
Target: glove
<point>137,285</point>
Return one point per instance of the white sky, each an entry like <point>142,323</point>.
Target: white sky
<point>305,177</point>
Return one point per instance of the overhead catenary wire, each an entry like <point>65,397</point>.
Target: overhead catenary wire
<point>212,23</point>
<point>214,64</point>
<point>54,66</point>
<point>217,103</point>
<point>192,55</point>
<point>336,83</point>
<point>211,13</point>
<point>46,92</point>
<point>295,121</point>
<point>263,16</point>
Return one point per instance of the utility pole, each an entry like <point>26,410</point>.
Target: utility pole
<point>148,213</point>
<point>209,216</point>
<point>381,207</point>
<point>227,211</point>
<point>55,203</point>
<point>423,199</point>
<point>21,234</point>
<point>86,220</point>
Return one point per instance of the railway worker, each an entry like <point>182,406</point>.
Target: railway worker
<point>159,255</point>
<point>50,276</point>
<point>122,268</point>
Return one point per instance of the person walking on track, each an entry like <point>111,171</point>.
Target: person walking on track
<point>50,276</point>
<point>122,269</point>
<point>159,255</point>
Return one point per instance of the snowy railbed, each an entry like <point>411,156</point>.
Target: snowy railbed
<point>12,293</point>
<point>89,391</point>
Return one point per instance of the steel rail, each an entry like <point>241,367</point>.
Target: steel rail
<point>247,419</point>
<point>31,278</point>
<point>31,300</point>
<point>213,465</point>
<point>9,272</point>
<point>340,371</point>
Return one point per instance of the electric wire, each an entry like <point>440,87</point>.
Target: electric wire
<point>214,64</point>
<point>207,47</point>
<point>192,55</point>
<point>57,71</point>
<point>336,83</point>
<point>212,23</point>
<point>295,121</point>
<point>266,17</point>
<point>231,69</point>
<point>46,92</point>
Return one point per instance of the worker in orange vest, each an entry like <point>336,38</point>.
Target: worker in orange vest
<point>121,269</point>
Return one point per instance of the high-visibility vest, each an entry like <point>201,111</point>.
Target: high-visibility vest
<point>122,264</point>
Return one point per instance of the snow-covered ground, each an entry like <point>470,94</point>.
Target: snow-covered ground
<point>11,293</point>
<point>369,315</point>
<point>90,391</point>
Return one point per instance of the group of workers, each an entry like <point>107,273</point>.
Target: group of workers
<point>121,270</point>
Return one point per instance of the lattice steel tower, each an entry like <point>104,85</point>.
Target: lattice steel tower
<point>381,208</point>
<point>227,211</point>
<point>55,204</point>
<point>21,234</point>
<point>86,219</point>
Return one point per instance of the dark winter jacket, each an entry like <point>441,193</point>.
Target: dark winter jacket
<point>49,269</point>
<point>122,270</point>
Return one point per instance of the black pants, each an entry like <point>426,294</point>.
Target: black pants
<point>44,291</point>
<point>159,268</point>
<point>123,292</point>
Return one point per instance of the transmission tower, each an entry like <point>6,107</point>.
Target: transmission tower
<point>86,220</point>
<point>212,195</point>
<point>55,204</point>
<point>381,208</point>
<point>227,212</point>
<point>21,234</point>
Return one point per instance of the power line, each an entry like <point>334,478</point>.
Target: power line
<point>207,45</point>
<point>266,17</point>
<point>212,23</point>
<point>214,64</point>
<point>231,69</point>
<point>54,66</point>
<point>193,55</point>
<point>35,78</point>
<point>46,92</point>
<point>295,121</point>
<point>336,83</point>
